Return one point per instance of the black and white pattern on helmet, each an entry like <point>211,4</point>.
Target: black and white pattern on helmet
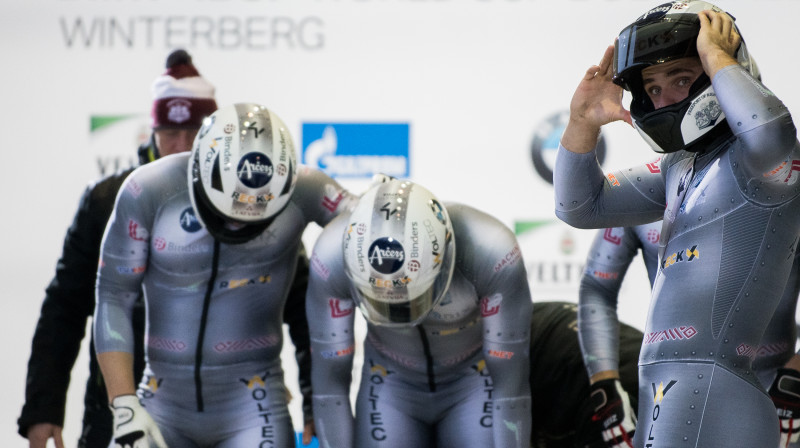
<point>386,255</point>
<point>438,211</point>
<point>255,170</point>
<point>655,13</point>
<point>208,123</point>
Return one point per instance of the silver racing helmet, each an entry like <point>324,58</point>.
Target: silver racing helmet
<point>242,171</point>
<point>663,34</point>
<point>399,253</point>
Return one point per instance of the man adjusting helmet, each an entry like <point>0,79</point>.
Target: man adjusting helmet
<point>730,203</point>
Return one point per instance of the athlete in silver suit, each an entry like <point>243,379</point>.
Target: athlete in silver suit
<point>728,193</point>
<point>612,251</point>
<point>448,309</point>
<point>216,256</point>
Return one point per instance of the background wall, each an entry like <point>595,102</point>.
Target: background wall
<point>477,82</point>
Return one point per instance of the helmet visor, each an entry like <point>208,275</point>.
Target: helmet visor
<point>648,43</point>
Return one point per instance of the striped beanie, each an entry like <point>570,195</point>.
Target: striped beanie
<point>181,97</point>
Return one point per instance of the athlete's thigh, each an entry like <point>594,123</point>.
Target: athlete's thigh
<point>262,417</point>
<point>278,434</point>
<point>702,404</point>
<point>174,438</point>
<point>468,422</point>
<point>385,419</point>
<point>738,414</point>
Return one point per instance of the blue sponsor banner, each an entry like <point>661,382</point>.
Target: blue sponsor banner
<point>357,149</point>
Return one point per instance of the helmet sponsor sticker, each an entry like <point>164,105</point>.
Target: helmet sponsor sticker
<point>386,255</point>
<point>255,170</point>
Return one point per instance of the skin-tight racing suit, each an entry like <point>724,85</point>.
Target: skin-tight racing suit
<point>727,248</point>
<point>214,311</point>
<point>460,378</point>
<point>610,256</point>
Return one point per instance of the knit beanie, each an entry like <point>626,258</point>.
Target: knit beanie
<point>181,97</point>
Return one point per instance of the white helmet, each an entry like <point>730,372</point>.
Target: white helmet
<point>242,171</point>
<point>399,253</point>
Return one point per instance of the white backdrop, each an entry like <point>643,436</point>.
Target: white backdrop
<point>474,79</point>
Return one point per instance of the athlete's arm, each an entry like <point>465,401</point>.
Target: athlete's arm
<point>755,115</point>
<point>498,271</point>
<point>330,313</point>
<point>612,251</point>
<point>294,315</point>
<point>122,266</point>
<point>585,197</point>
<point>319,197</point>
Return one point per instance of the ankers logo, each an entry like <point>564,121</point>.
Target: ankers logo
<point>189,221</point>
<point>255,170</point>
<point>386,255</point>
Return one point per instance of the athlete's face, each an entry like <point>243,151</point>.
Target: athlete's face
<point>669,83</point>
<point>172,141</point>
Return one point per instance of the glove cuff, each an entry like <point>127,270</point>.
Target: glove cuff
<point>126,401</point>
<point>787,382</point>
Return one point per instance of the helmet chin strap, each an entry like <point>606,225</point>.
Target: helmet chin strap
<point>233,225</point>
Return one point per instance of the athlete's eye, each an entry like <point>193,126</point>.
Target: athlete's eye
<point>684,82</point>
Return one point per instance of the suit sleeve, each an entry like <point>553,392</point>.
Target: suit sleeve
<point>331,314</point>
<point>506,306</point>
<point>610,255</point>
<point>760,121</point>
<point>123,263</point>
<point>294,315</point>
<point>320,197</point>
<point>587,198</point>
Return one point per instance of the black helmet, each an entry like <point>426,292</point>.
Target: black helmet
<point>666,33</point>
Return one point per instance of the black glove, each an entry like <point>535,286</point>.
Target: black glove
<point>785,393</point>
<point>611,414</point>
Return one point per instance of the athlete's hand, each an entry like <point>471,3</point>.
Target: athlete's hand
<point>309,432</point>
<point>785,393</point>
<point>40,433</point>
<point>717,41</point>
<point>613,415</point>
<point>596,102</point>
<point>133,426</point>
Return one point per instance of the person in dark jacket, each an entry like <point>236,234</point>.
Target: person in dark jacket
<point>559,384</point>
<point>182,98</point>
